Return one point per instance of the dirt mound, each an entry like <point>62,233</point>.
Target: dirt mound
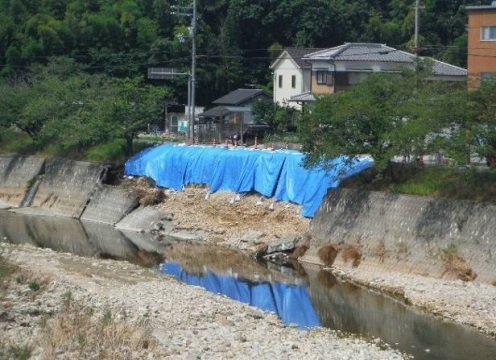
<point>226,215</point>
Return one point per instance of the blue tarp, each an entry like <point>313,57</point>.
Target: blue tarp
<point>292,303</point>
<point>272,173</point>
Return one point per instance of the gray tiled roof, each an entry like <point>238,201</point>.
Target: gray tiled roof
<point>482,7</point>
<point>442,68</point>
<point>298,53</point>
<point>239,97</point>
<point>218,111</point>
<point>307,96</point>
<point>380,53</point>
<point>362,52</point>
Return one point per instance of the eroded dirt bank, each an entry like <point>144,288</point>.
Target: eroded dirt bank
<point>470,303</point>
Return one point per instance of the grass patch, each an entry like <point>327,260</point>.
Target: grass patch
<point>81,331</point>
<point>75,330</point>
<point>461,184</point>
<point>7,272</point>
<point>455,265</point>
<point>113,151</point>
<point>12,141</point>
<point>14,352</point>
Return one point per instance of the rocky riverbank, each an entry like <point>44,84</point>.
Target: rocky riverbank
<point>85,308</point>
<point>61,306</point>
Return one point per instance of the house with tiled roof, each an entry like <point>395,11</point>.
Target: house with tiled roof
<point>231,114</point>
<point>481,58</point>
<point>291,75</point>
<point>234,107</point>
<point>336,69</point>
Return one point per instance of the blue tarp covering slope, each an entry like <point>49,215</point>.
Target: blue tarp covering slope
<point>279,174</point>
<point>292,303</point>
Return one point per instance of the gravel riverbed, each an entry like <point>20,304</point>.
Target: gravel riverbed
<point>187,322</point>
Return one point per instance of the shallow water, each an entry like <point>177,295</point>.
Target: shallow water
<point>306,296</point>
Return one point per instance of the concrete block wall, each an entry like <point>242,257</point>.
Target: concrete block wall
<point>109,204</point>
<point>411,233</point>
<point>67,186</point>
<point>16,174</point>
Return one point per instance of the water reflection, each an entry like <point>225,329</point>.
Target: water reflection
<point>290,302</point>
<point>304,295</point>
<point>89,239</point>
<point>341,305</point>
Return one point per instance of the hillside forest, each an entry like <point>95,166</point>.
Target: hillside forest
<point>236,40</point>
<point>73,74</point>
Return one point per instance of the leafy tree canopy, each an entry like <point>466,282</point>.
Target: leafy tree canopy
<point>387,115</point>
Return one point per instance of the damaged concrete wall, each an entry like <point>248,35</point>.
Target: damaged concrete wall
<point>412,232</point>
<point>67,186</point>
<point>109,204</point>
<point>16,175</point>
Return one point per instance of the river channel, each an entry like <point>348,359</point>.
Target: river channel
<point>303,295</point>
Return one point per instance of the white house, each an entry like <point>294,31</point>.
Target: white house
<point>291,75</point>
<point>301,74</point>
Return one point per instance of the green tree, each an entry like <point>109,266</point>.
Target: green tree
<point>482,108</point>
<point>62,107</point>
<point>279,118</point>
<point>129,106</point>
<point>384,116</point>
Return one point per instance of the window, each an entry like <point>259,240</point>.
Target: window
<point>321,77</point>
<point>488,33</point>
<point>280,81</point>
<point>293,81</point>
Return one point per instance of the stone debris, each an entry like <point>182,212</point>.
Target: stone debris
<point>187,321</point>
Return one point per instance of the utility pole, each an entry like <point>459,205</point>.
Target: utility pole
<point>190,10</point>
<point>416,26</point>
<point>193,67</point>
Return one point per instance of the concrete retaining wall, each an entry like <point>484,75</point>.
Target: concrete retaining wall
<point>109,204</point>
<point>71,189</point>
<point>409,232</point>
<point>67,186</point>
<point>16,174</point>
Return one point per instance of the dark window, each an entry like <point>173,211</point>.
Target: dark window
<point>322,77</point>
<point>280,81</point>
<point>293,81</point>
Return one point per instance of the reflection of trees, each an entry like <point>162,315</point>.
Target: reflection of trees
<point>326,279</point>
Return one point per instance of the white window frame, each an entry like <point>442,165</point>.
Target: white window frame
<point>488,33</point>
<point>279,81</point>
<point>321,77</point>
<point>293,81</point>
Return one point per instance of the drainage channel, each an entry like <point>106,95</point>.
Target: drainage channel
<point>306,296</point>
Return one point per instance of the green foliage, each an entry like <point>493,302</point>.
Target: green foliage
<point>34,285</point>
<point>65,111</point>
<point>236,39</point>
<point>113,151</point>
<point>432,183</point>
<point>279,118</point>
<point>69,106</point>
<point>449,252</point>
<point>445,182</point>
<point>15,352</point>
<point>386,115</point>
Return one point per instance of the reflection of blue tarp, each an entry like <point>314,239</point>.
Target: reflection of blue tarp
<point>279,174</point>
<point>292,303</point>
